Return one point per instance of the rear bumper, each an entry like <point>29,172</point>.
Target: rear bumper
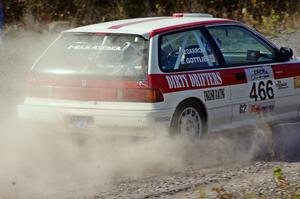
<point>59,117</point>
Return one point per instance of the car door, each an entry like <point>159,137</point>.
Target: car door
<point>263,95</point>
<point>191,69</point>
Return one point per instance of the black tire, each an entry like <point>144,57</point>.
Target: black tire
<point>195,108</point>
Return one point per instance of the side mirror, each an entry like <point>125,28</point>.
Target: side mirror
<point>285,53</point>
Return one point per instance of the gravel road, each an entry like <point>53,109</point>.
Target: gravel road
<point>232,178</point>
<point>238,180</point>
<point>225,168</point>
<point>291,40</point>
<point>254,179</point>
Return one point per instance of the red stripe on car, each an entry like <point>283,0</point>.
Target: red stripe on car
<point>106,90</point>
<point>286,70</point>
<point>174,82</point>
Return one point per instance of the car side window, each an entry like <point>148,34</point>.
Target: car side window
<point>187,50</point>
<point>239,46</point>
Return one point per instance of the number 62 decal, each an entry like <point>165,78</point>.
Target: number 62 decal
<point>262,91</point>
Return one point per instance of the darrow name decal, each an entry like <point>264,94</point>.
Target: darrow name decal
<point>194,80</point>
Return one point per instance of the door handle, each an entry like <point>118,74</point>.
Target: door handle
<point>240,76</point>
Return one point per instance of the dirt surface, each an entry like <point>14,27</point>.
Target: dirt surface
<point>37,164</point>
<point>238,180</point>
<point>291,40</point>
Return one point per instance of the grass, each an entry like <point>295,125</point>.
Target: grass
<point>284,190</point>
<point>273,24</point>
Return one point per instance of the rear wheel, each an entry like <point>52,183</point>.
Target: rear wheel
<point>189,120</point>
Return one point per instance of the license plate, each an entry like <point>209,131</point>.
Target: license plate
<point>81,122</point>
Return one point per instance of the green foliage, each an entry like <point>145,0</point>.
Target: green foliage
<point>269,16</point>
<point>277,172</point>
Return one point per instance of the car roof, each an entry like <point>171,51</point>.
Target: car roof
<point>149,26</point>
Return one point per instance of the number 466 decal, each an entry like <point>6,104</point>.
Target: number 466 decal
<point>261,90</point>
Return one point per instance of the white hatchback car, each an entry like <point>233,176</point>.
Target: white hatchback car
<point>191,73</point>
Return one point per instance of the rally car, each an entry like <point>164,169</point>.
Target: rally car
<point>191,73</point>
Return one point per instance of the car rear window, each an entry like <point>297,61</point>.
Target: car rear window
<point>101,55</point>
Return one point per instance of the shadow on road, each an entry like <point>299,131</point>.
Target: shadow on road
<point>287,142</point>
<point>284,144</point>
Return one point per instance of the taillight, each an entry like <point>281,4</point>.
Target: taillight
<point>139,95</point>
<point>97,94</point>
<point>72,90</point>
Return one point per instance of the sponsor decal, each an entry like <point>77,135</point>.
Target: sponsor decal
<point>93,47</point>
<point>297,82</point>
<point>262,107</point>
<point>243,108</point>
<point>281,85</point>
<point>260,73</point>
<point>198,60</point>
<point>194,80</point>
<point>191,51</point>
<point>195,55</point>
<point>215,94</point>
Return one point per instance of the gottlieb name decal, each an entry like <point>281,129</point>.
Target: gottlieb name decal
<point>194,80</point>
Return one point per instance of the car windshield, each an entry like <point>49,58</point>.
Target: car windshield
<point>96,54</point>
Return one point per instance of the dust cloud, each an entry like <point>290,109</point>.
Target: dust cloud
<point>38,163</point>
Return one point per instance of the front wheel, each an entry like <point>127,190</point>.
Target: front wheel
<point>189,120</point>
